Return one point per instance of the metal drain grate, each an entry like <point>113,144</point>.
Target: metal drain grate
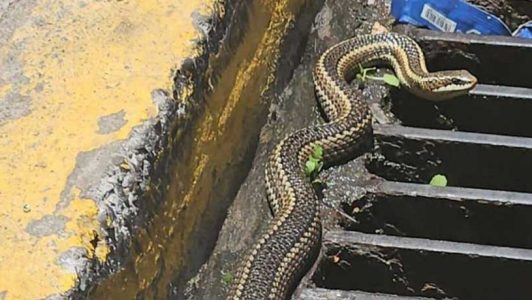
<point>472,240</point>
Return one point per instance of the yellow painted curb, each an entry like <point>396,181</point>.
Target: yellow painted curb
<point>74,76</point>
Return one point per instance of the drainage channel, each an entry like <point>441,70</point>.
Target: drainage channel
<point>469,240</point>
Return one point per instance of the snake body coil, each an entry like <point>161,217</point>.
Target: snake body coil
<point>291,242</point>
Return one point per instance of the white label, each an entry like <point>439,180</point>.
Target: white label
<point>437,19</point>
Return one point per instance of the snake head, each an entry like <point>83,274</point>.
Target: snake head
<point>447,84</point>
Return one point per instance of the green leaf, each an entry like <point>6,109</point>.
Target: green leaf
<point>312,158</point>
<point>310,166</point>
<point>227,278</point>
<point>318,152</point>
<point>439,180</point>
<point>391,79</point>
<point>314,164</point>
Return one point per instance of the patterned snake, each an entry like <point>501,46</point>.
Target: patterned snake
<point>284,252</point>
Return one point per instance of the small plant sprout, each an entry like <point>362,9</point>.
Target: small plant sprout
<point>314,163</point>
<point>363,72</point>
<point>438,180</point>
<point>227,278</point>
<point>391,79</point>
<point>368,73</point>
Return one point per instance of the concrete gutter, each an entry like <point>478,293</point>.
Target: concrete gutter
<point>126,128</point>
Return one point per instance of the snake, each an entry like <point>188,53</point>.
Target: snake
<point>284,252</point>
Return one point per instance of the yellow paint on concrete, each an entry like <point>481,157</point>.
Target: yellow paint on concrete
<point>266,53</point>
<point>231,107</point>
<point>4,89</point>
<point>83,60</point>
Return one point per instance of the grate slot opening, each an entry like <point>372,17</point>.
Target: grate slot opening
<point>466,159</point>
<point>453,214</point>
<point>415,267</point>
<point>488,109</point>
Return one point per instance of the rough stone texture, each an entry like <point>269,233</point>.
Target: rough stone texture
<point>292,108</point>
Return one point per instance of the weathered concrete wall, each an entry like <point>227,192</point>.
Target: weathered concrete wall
<point>114,168</point>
